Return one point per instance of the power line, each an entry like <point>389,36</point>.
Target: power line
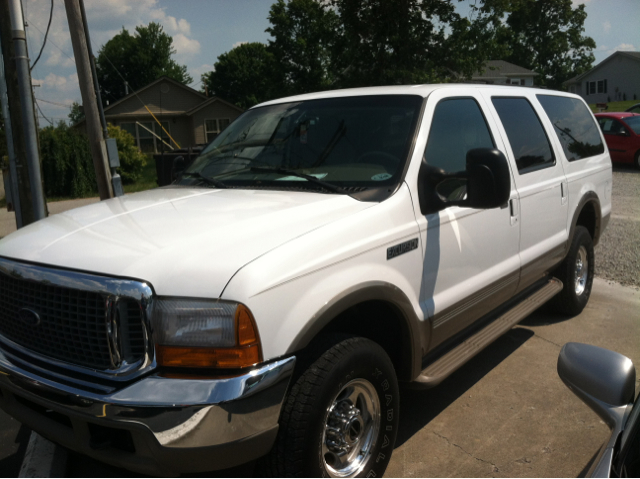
<point>51,41</point>
<point>55,103</point>
<point>40,110</point>
<point>44,42</point>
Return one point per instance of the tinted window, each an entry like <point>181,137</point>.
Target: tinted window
<point>458,126</point>
<point>610,126</point>
<point>634,123</point>
<point>574,125</point>
<point>529,142</point>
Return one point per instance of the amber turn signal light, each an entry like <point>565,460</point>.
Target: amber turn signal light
<point>246,352</point>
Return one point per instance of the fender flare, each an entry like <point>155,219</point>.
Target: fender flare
<point>600,222</point>
<point>415,329</point>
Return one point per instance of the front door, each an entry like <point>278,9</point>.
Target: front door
<point>471,262</point>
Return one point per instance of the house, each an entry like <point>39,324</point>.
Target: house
<point>616,78</point>
<point>189,117</point>
<point>499,72</point>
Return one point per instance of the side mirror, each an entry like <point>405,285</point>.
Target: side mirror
<point>487,179</point>
<point>604,380</point>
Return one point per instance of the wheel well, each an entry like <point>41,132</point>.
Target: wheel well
<point>588,219</point>
<point>381,322</point>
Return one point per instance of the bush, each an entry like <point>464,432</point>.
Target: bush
<point>67,168</point>
<point>131,160</point>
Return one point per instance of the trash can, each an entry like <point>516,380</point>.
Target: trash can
<point>164,163</point>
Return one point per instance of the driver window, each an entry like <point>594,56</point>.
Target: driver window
<point>458,126</point>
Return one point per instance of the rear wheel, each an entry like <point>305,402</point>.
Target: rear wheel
<point>341,416</point>
<point>576,273</point>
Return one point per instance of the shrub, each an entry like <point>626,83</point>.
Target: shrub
<point>131,160</point>
<point>67,168</point>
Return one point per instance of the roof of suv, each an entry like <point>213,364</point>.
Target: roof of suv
<point>422,90</point>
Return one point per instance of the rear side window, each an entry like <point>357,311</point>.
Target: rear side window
<point>611,126</point>
<point>527,137</point>
<point>574,125</point>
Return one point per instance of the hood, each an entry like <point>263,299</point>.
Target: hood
<point>183,241</point>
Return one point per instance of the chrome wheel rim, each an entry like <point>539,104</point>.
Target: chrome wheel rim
<point>581,271</point>
<point>351,426</point>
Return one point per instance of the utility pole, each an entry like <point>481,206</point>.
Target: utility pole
<point>21,108</point>
<point>89,101</point>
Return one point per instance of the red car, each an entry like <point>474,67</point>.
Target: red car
<point>622,133</point>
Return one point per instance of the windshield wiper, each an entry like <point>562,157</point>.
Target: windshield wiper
<point>311,179</point>
<point>206,179</point>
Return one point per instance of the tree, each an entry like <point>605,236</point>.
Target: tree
<point>244,75</point>
<point>546,37</point>
<point>305,35</point>
<point>76,113</point>
<point>140,58</point>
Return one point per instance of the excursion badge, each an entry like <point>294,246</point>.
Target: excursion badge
<point>402,248</point>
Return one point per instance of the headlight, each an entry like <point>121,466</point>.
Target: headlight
<point>195,333</point>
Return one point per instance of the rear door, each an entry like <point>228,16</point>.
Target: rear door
<point>539,179</point>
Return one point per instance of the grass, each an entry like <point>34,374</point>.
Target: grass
<point>615,105</point>
<point>147,180</point>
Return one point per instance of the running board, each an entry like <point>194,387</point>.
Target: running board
<point>437,371</point>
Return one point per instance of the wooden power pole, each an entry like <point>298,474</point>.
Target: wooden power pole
<point>89,101</point>
<point>23,125</point>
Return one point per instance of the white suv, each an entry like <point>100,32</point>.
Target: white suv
<point>320,250</point>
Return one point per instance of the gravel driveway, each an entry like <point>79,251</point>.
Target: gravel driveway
<point>618,254</point>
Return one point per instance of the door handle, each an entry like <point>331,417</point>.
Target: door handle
<point>564,193</point>
<point>514,210</point>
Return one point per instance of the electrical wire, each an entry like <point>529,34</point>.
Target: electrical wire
<point>55,103</point>
<point>44,42</point>
<point>51,41</point>
<point>40,110</point>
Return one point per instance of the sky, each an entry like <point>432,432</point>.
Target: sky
<point>204,29</point>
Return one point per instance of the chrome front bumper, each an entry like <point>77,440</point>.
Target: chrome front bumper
<point>156,425</point>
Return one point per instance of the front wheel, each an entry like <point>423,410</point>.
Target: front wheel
<point>576,273</point>
<point>341,416</point>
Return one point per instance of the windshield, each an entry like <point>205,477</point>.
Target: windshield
<point>343,142</point>
<point>634,123</point>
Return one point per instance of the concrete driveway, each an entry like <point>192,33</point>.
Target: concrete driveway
<point>506,413</point>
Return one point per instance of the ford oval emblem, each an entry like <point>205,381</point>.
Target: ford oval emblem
<point>29,317</point>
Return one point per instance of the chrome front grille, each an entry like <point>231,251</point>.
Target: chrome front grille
<point>79,319</point>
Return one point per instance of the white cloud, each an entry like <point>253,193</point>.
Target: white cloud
<point>185,46</point>
<point>237,44</point>
<point>625,47</point>
<point>58,83</point>
<point>606,26</point>
<point>204,68</point>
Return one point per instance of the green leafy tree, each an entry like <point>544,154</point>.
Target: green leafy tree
<point>244,75</point>
<point>402,42</point>
<point>305,36</point>
<point>140,58</point>
<point>76,113</point>
<point>546,37</point>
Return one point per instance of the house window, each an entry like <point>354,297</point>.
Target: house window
<point>592,88</point>
<point>144,132</point>
<point>522,81</point>
<point>213,127</point>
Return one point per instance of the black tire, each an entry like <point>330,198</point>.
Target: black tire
<point>636,160</point>
<point>570,300</point>
<point>334,366</point>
